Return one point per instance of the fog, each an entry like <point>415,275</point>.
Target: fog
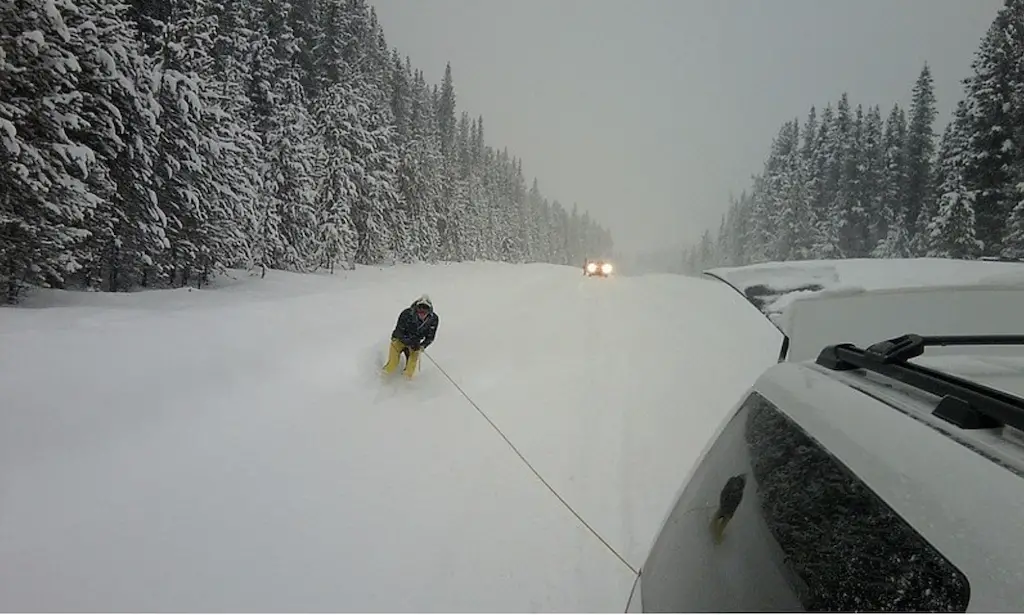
<point>649,113</point>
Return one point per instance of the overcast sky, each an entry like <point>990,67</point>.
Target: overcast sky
<point>648,113</point>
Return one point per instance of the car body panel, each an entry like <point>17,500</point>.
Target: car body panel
<point>957,494</point>
<point>960,501</point>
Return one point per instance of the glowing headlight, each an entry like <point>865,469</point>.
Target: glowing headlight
<point>606,268</point>
<point>591,267</point>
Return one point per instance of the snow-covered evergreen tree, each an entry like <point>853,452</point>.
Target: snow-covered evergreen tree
<point>196,171</point>
<point>995,108</point>
<point>44,169</point>
<point>421,174</point>
<point>126,227</point>
<point>892,239</point>
<point>951,230</point>
<point>779,224</point>
<point>805,190</point>
<point>920,153</point>
<point>873,181</point>
<point>336,113</point>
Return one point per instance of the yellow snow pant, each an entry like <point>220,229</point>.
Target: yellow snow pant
<point>393,356</point>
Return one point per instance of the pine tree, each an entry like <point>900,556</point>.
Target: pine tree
<point>336,113</point>
<point>46,198</point>
<point>837,197</point>
<point>950,233</point>
<point>820,190</point>
<point>401,98</point>
<point>446,113</point>
<point>993,149</point>
<point>195,170</point>
<point>873,181</point>
<point>785,195</point>
<point>271,51</point>
<point>421,174</point>
<point>849,209</point>
<point>305,26</point>
<point>126,228</point>
<point>808,186</point>
<point>287,234</point>
<point>920,152</point>
<point>891,230</point>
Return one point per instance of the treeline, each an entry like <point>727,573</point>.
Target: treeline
<point>158,142</point>
<point>850,183</point>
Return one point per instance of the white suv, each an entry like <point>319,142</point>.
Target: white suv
<point>859,474</point>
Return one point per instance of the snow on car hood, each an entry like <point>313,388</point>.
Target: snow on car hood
<point>780,283</point>
<point>862,301</point>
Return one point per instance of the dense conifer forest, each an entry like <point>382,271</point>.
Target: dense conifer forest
<point>155,143</point>
<point>851,180</point>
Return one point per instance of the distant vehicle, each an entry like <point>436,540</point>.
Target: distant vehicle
<point>859,474</point>
<point>600,268</point>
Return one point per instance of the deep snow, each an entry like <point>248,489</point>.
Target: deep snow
<point>235,449</point>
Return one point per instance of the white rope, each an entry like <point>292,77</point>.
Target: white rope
<point>532,469</point>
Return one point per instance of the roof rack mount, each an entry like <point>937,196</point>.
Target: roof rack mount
<point>966,404</point>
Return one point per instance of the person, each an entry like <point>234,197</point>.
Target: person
<point>414,332</point>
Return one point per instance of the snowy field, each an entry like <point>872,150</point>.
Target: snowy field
<point>234,449</point>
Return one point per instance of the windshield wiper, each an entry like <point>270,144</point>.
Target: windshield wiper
<point>966,404</point>
<point>906,347</point>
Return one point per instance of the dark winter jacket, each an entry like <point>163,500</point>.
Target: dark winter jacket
<point>413,332</point>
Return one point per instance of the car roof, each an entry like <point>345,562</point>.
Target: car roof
<point>817,303</point>
<point>960,499</point>
<point>999,368</point>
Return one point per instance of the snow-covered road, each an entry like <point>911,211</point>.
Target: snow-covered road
<point>234,449</point>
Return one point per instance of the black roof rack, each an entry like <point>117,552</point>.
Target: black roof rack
<point>966,404</point>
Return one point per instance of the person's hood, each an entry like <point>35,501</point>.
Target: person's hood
<point>424,298</point>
